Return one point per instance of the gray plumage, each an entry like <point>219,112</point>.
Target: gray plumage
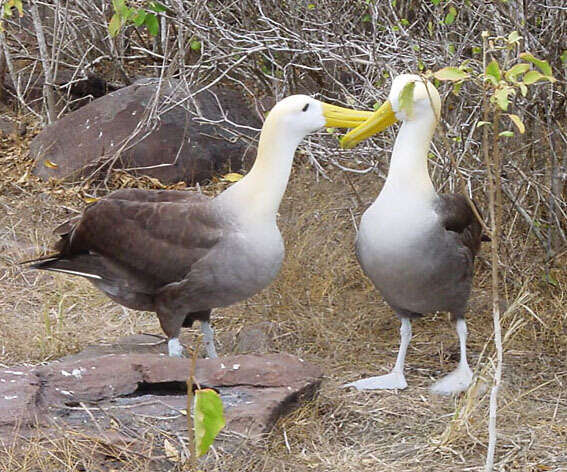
<point>416,246</point>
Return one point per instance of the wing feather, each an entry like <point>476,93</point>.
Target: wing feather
<point>457,216</point>
<point>156,235</point>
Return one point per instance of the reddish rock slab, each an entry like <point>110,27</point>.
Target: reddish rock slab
<point>19,394</point>
<point>92,393</point>
<point>192,139</point>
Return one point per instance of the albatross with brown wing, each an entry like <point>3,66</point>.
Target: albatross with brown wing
<point>181,254</point>
<point>417,246</point>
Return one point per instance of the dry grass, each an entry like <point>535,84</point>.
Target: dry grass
<point>326,312</point>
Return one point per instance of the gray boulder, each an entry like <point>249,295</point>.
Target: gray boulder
<point>182,139</point>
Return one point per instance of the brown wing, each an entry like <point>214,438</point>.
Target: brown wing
<point>138,195</point>
<point>153,238</point>
<point>457,216</point>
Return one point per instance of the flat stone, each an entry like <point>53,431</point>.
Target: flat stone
<point>19,394</point>
<point>190,142</point>
<point>91,393</point>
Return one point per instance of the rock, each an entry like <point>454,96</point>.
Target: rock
<point>19,393</point>
<point>182,145</point>
<point>91,393</point>
<point>69,86</point>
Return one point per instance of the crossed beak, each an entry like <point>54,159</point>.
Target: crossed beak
<point>377,122</point>
<point>339,117</point>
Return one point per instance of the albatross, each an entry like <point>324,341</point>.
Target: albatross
<point>179,253</point>
<point>416,246</point>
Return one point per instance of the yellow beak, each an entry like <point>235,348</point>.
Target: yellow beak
<point>340,117</point>
<point>379,121</point>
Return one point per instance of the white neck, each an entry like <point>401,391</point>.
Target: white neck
<point>408,166</point>
<point>258,195</point>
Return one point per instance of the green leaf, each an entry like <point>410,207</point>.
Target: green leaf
<point>7,10</point>
<point>518,123</point>
<point>138,20</point>
<point>209,419</point>
<point>366,18</point>
<point>453,74</point>
<point>114,25</point>
<point>523,89</point>
<point>435,2</point>
<point>506,134</point>
<point>514,37</point>
<point>195,45</point>
<point>551,280</point>
<point>157,7</point>
<point>457,88</point>
<point>563,57</point>
<point>121,8</point>
<point>483,123</point>
<point>532,77</point>
<point>152,24</point>
<point>311,6</point>
<point>450,17</point>
<point>501,95</point>
<point>406,99</point>
<point>118,4</point>
<point>493,72</point>
<point>516,70</point>
<point>19,7</point>
<point>543,66</point>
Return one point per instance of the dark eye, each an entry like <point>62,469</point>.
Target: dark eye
<point>305,107</point>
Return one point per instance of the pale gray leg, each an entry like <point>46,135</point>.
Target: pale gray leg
<point>209,339</point>
<point>396,378</point>
<point>460,379</point>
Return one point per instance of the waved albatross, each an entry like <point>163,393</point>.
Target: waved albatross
<point>416,246</point>
<point>181,254</point>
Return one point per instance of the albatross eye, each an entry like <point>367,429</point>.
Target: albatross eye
<point>305,107</point>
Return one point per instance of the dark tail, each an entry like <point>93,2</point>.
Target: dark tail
<point>83,265</point>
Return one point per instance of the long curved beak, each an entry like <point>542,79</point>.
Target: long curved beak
<point>339,117</point>
<point>379,121</point>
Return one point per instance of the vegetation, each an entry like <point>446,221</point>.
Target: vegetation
<point>503,124</point>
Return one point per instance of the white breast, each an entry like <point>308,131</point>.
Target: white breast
<point>396,223</point>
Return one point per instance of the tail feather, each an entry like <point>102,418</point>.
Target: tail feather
<point>82,265</point>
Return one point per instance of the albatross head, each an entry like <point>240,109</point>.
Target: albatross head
<point>300,115</point>
<point>411,98</point>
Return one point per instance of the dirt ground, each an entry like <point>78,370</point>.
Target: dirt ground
<point>328,313</point>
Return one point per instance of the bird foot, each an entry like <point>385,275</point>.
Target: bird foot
<point>457,381</point>
<point>175,348</point>
<point>391,381</point>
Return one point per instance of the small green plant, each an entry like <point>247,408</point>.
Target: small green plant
<point>11,4</point>
<point>6,10</point>
<point>505,72</point>
<point>207,419</point>
<point>501,80</point>
<point>123,14</point>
